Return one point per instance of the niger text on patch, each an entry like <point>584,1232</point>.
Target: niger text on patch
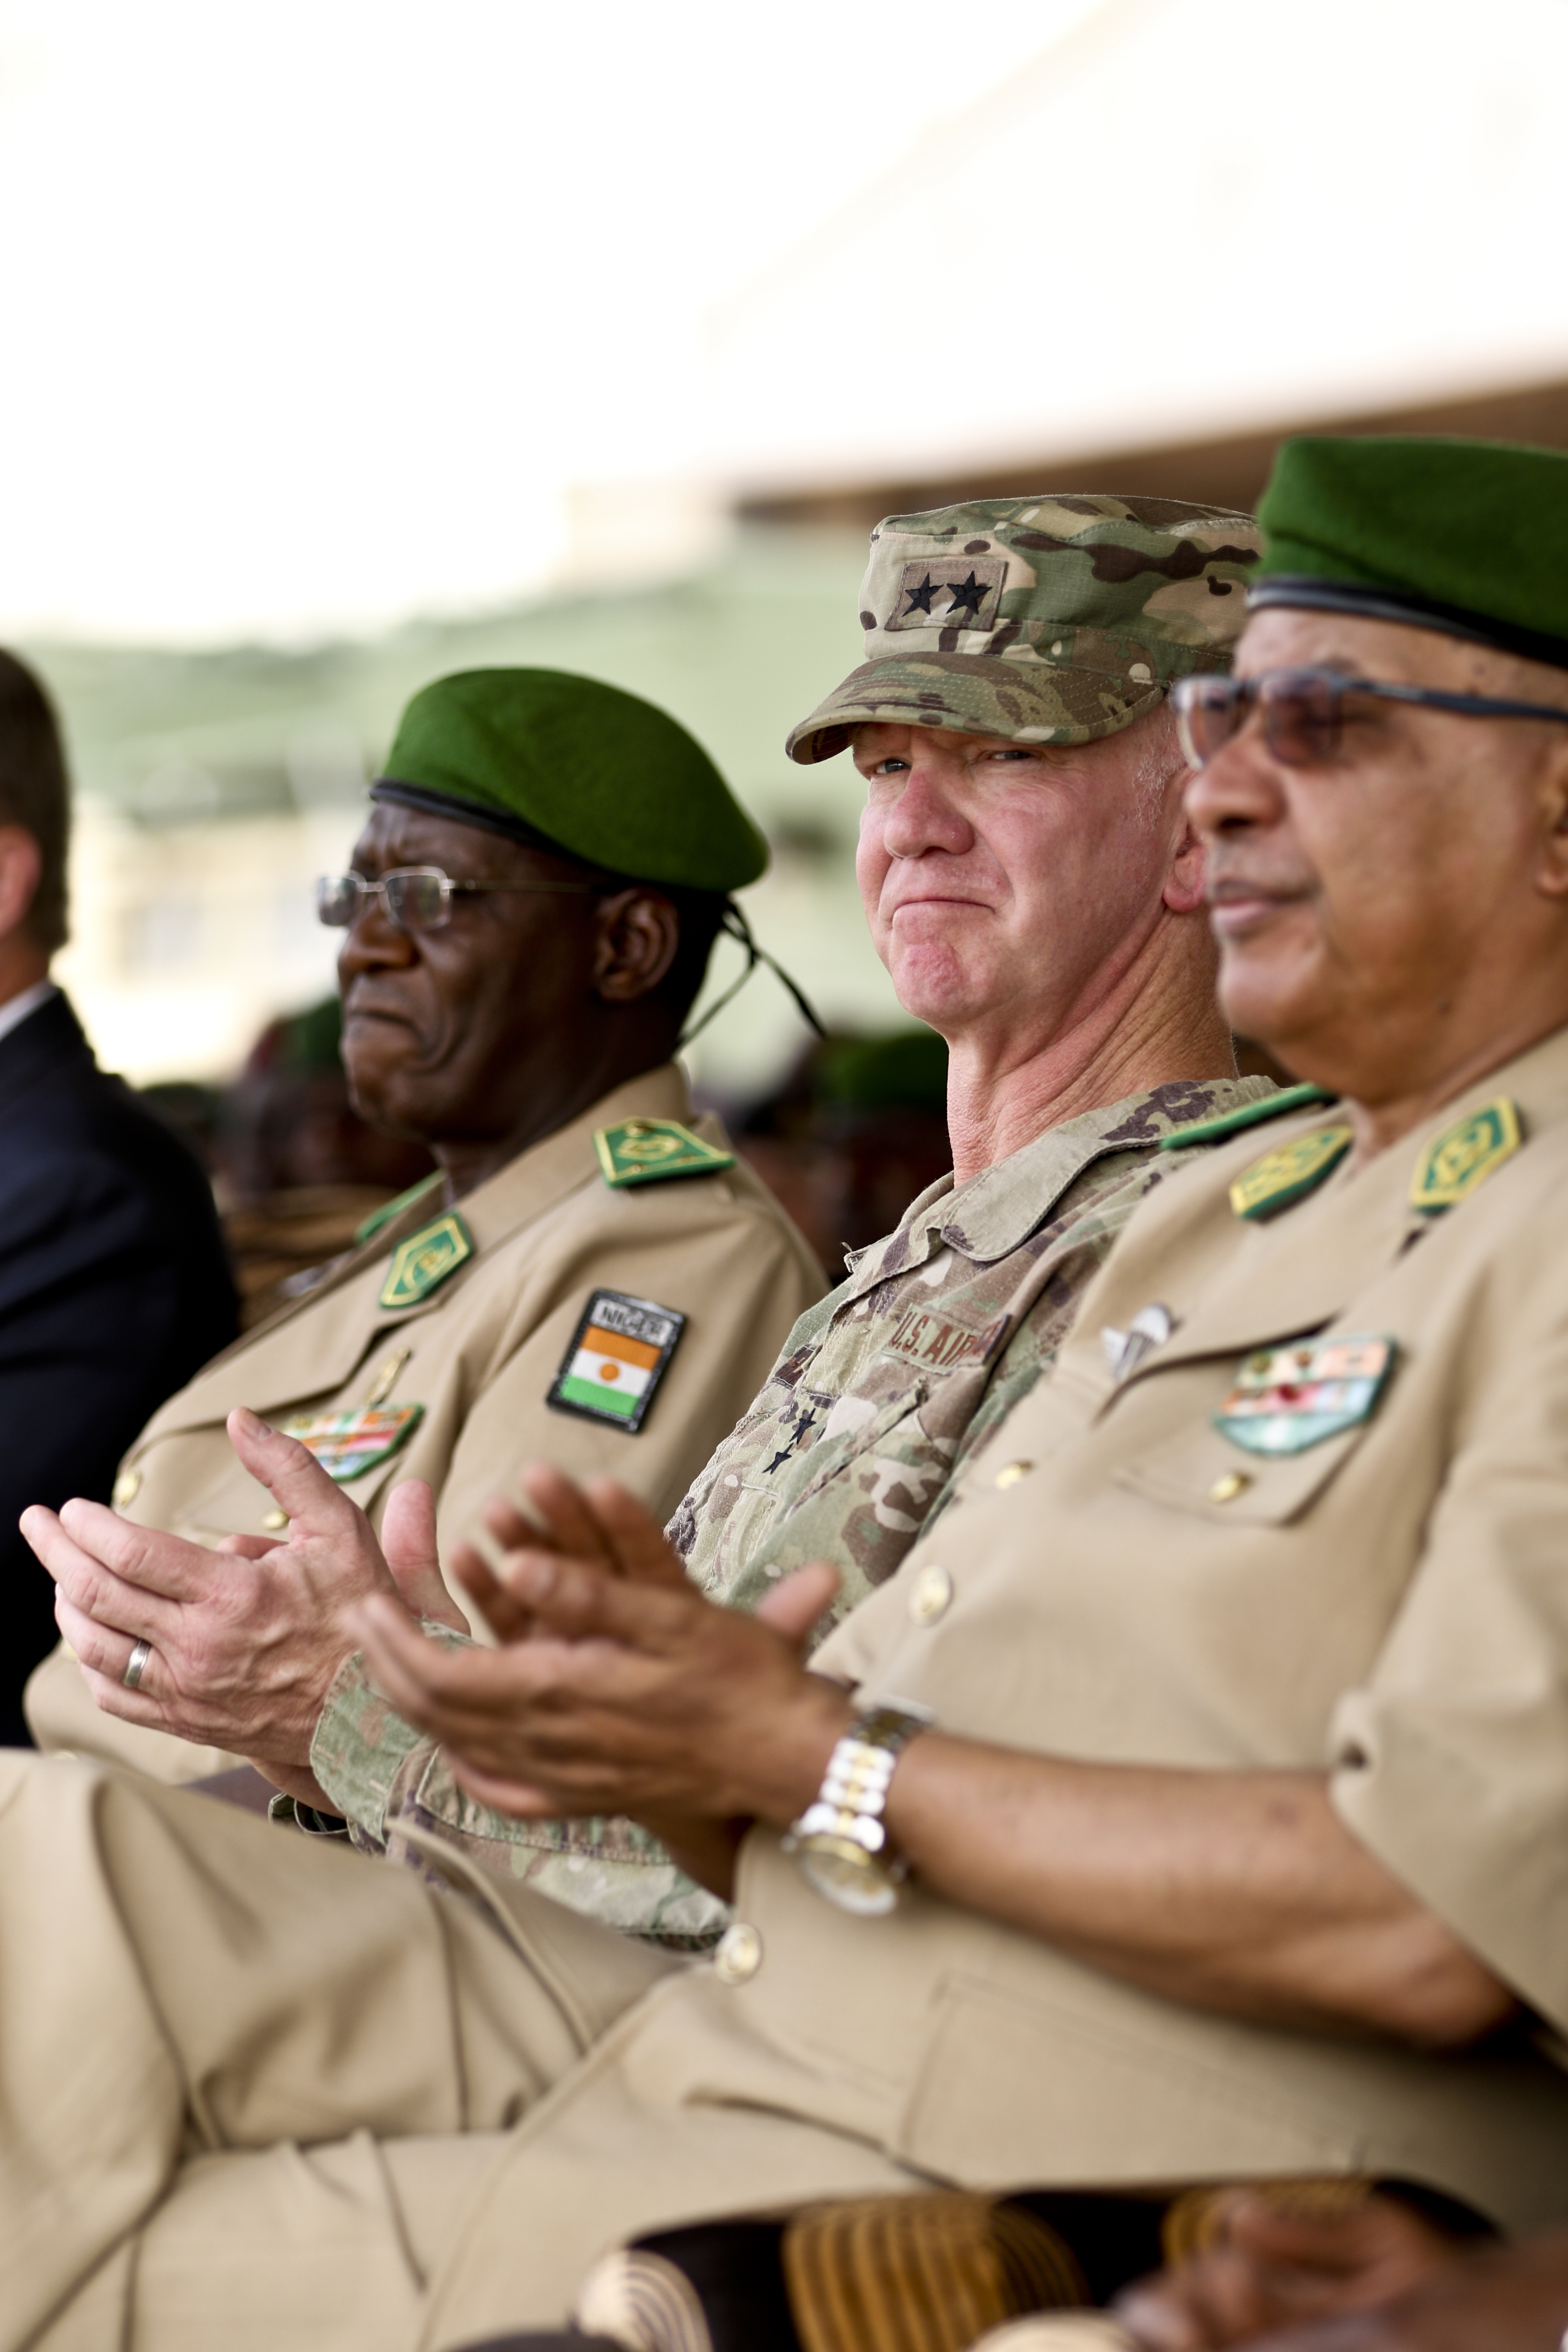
<point>617,1357</point>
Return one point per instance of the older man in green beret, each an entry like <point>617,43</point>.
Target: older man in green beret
<point>593,1276</point>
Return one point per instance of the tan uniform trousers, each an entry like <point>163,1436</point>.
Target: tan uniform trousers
<point>258,2094</point>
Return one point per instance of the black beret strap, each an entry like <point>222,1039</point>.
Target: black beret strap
<point>1303,592</point>
<point>488,820</point>
<point>734,926</point>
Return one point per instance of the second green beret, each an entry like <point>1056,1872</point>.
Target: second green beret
<point>1465,537</point>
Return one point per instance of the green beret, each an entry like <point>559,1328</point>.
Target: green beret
<point>1465,537</point>
<point>569,764</point>
<point>1057,618</point>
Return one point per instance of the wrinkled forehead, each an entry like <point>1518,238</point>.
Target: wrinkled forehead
<point>392,836</point>
<point>1280,637</point>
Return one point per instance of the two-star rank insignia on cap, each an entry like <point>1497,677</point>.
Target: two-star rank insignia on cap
<point>619,1353</point>
<point>950,591</point>
<point>1465,1155</point>
<point>646,1151</point>
<point>426,1260</point>
<point>1286,1399</point>
<point>347,1445</point>
<point>1282,1175</point>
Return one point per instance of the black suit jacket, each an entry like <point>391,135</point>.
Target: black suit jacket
<point>114,1288</point>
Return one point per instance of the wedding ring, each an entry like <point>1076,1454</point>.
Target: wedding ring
<point>136,1665</point>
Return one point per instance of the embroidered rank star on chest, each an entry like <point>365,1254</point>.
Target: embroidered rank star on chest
<point>1286,1399</point>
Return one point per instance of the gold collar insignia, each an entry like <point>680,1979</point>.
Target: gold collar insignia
<point>1465,1155</point>
<point>426,1260</point>
<point>1282,1175</point>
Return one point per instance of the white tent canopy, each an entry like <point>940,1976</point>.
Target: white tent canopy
<point>1186,218</point>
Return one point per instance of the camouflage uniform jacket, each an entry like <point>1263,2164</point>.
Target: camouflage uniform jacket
<point>884,1392</point>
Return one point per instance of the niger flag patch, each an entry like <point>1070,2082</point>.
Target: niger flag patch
<point>619,1353</point>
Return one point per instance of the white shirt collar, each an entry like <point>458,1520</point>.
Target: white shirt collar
<point>15,1009</point>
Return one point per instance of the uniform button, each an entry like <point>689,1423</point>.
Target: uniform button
<point>127,1487</point>
<point>1011,1472</point>
<point>930,1596</point>
<point>1226,1489</point>
<point>740,1953</point>
<point>273,1520</point>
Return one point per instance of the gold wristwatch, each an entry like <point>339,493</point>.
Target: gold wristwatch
<point>841,1841</point>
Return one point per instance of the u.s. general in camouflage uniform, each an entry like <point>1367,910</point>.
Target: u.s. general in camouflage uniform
<point>1071,615</point>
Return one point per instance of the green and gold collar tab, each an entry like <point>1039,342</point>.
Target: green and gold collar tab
<point>1465,1155</point>
<point>1235,1122</point>
<point>426,1260</point>
<point>1283,1175</point>
<point>648,1151</point>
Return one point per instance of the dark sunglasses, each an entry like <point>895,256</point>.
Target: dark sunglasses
<point>1302,710</point>
<point>417,897</point>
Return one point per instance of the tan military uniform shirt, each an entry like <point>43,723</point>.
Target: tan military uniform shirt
<point>1382,1600</point>
<point>883,1394</point>
<point>480,1353</point>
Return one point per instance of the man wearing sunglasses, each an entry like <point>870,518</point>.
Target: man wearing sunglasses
<point>1187,1806</point>
<point>525,924</point>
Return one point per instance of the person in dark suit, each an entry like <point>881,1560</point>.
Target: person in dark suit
<point>114,1286</point>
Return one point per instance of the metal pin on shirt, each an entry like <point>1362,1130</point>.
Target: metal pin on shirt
<point>381,1388</point>
<point>1125,1351</point>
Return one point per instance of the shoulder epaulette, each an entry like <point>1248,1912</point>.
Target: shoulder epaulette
<point>370,1226</point>
<point>1252,1114</point>
<point>648,1151</point>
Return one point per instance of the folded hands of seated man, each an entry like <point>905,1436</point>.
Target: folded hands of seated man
<point>1268,2269</point>
<point>1377,2281</point>
<point>246,1640</point>
<point>619,1688</point>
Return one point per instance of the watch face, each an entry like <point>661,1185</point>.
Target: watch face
<point>846,1874</point>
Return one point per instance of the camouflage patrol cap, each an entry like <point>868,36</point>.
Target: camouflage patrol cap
<point>1053,619</point>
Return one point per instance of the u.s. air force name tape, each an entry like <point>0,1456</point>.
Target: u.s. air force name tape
<point>618,1355</point>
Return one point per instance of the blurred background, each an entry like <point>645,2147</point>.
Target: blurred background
<point>346,345</point>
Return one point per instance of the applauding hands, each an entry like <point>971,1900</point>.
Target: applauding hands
<point>617,1688</point>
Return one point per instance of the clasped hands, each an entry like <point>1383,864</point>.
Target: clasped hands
<point>617,1687</point>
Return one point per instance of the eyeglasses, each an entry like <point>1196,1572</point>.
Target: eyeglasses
<point>417,897</point>
<point>1302,710</point>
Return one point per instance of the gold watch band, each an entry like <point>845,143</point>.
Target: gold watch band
<point>841,1839</point>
